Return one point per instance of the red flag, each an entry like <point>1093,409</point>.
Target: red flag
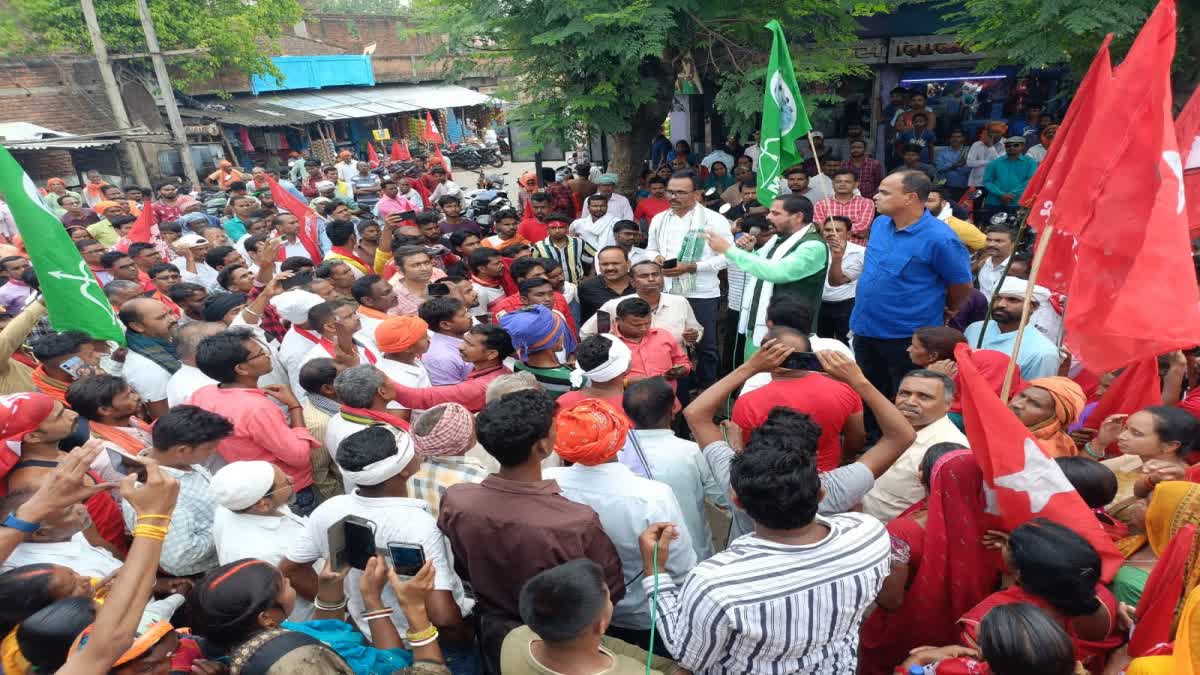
<point>431,134</point>
<point>1187,135</point>
<point>308,218</point>
<point>1133,233</point>
<point>1137,387</point>
<point>372,156</point>
<point>1043,190</point>
<point>394,155</point>
<point>1166,591</point>
<point>1023,482</point>
<point>143,227</point>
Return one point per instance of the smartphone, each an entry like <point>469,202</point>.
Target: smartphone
<point>75,367</point>
<point>603,322</point>
<point>351,542</point>
<point>122,462</point>
<point>301,279</point>
<point>408,215</point>
<point>407,559</point>
<point>802,361</point>
<point>670,264</point>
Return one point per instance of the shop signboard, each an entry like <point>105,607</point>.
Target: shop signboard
<point>927,48</point>
<point>870,51</point>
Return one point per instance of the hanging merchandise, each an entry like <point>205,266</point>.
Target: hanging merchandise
<point>415,127</point>
<point>244,137</point>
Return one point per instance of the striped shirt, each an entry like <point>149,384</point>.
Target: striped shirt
<point>575,258</point>
<point>555,381</point>
<point>764,607</point>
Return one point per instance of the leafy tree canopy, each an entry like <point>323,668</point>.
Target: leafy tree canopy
<point>232,33</point>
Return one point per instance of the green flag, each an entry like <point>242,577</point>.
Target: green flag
<point>784,119</point>
<point>73,296</point>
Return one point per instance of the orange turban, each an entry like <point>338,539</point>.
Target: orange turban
<point>1068,403</point>
<point>997,125</point>
<point>55,181</point>
<point>590,432</point>
<point>398,333</point>
<point>104,205</point>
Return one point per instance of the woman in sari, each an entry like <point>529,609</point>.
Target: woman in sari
<point>1047,406</point>
<point>1016,639</point>
<point>1174,505</point>
<point>940,567</point>
<point>718,177</point>
<point>1058,571</point>
<point>1153,443</point>
<point>1184,658</point>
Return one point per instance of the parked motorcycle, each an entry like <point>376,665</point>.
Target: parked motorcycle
<point>484,203</point>
<point>492,156</point>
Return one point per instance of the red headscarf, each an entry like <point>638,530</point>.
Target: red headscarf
<point>955,572</point>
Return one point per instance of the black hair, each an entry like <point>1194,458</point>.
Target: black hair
<point>189,425</point>
<point>790,310</point>
<point>216,257</point>
<point>45,638</point>
<point>1174,425</point>
<point>1005,229</point>
<point>495,338</point>
<point>86,396</point>
<point>110,258</point>
<point>506,214</point>
<point>362,286</point>
<point>549,264</point>
<point>508,427</point>
<point>597,197</point>
<point>325,269</point>
<point>777,486</point>
<point>160,268</point>
<point>224,605</point>
<point>135,249</point>
<point>527,285</point>
<point>798,168</point>
<point>558,218</point>
<point>121,220</point>
<point>401,240</point>
<point>655,178</point>
<point>225,276</point>
<point>23,591</point>
<point>56,345</point>
<point>759,220</point>
<point>1057,565</point>
<point>560,603</point>
<point>539,197</point>
<point>592,352</point>
<point>217,305</point>
<point>521,267</point>
<point>776,332</point>
<point>339,232</point>
<point>796,429</point>
<point>183,291</point>
<point>931,457</point>
<point>319,315</point>
<point>402,253</point>
<point>363,448</point>
<point>625,225</point>
<point>438,309</point>
<point>912,147</point>
<point>648,402</point>
<point>794,204</point>
<point>916,181</point>
<point>448,199</point>
<point>316,374</point>
<point>218,355</point>
<point>238,185</point>
<point>80,245</point>
<point>634,306</point>
<point>170,226</point>
<point>1020,638</point>
<point>1095,483</point>
<point>690,175</point>
<point>254,240</point>
<point>295,263</point>
<point>480,257</point>
<point>457,237</point>
<point>940,340</point>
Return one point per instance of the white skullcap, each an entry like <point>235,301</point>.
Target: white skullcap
<point>1013,286</point>
<point>239,485</point>
<point>293,305</point>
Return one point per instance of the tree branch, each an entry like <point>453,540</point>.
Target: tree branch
<point>729,44</point>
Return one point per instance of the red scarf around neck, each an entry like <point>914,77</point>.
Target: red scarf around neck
<point>377,416</point>
<point>328,344</point>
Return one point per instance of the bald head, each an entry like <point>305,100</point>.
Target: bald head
<point>189,335</point>
<point>148,317</point>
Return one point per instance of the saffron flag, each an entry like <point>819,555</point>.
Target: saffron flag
<point>784,120</point>
<point>72,294</point>
<point>1187,136</point>
<point>1133,240</point>
<point>372,156</point>
<point>1042,192</point>
<point>431,135</point>
<point>307,217</point>
<point>1021,481</point>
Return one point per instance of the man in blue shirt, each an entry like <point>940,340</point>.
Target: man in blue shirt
<point>1005,177</point>
<point>915,269</point>
<point>1039,357</point>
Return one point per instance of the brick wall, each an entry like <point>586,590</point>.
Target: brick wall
<point>43,164</point>
<point>63,96</point>
<point>397,58</point>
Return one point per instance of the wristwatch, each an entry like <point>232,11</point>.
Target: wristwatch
<point>12,521</point>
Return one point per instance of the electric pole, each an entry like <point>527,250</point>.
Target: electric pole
<point>132,154</point>
<point>168,94</point>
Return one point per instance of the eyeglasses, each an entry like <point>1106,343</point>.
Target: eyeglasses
<point>678,193</point>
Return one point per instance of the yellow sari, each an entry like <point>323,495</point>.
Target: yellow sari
<point>1185,660</point>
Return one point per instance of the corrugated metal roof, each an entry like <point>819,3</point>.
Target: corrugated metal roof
<point>250,112</point>
<point>358,102</point>
<point>28,136</point>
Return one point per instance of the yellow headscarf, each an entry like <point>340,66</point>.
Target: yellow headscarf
<point>1173,504</point>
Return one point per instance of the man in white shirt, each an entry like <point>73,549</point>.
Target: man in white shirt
<point>672,460</point>
<point>59,541</point>
<point>402,341</point>
<point>346,167</point>
<point>996,252</point>
<point>924,398</point>
<point>362,388</point>
<point>984,150</point>
<point>445,186</point>
<point>293,307</point>
<point>670,312</point>
<point>152,357</point>
<point>678,234</point>
<point>185,381</point>
<point>325,319</point>
<point>253,520</point>
<point>380,468</point>
<point>591,433</point>
<point>595,228</point>
<point>287,226</point>
<point>618,205</point>
<point>841,278</point>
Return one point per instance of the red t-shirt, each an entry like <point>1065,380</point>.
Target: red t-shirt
<point>650,207</point>
<point>828,402</point>
<point>533,230</point>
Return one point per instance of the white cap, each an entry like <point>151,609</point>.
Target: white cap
<point>192,239</point>
<point>239,485</point>
<point>293,305</point>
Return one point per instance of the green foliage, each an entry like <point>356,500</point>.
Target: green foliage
<point>1055,32</point>
<point>233,33</point>
<point>611,64</point>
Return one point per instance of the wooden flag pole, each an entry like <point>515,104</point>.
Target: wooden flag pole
<point>816,160</point>
<point>1040,252</point>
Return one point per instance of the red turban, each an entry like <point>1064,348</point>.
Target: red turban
<point>590,432</point>
<point>398,333</point>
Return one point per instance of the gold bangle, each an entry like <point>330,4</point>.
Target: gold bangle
<point>422,635</point>
<point>154,516</point>
<point>144,535</point>
<point>151,531</point>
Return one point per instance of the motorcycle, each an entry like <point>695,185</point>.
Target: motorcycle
<point>464,156</point>
<point>484,203</point>
<point>492,156</point>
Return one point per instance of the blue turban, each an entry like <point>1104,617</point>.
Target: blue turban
<point>536,329</point>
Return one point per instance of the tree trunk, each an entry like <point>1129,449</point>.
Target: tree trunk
<point>629,149</point>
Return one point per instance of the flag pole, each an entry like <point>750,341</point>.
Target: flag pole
<point>1024,217</point>
<point>816,160</point>
<point>1042,243</point>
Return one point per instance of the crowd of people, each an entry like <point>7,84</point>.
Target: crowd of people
<point>676,431</point>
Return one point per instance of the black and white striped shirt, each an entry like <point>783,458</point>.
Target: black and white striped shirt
<point>763,607</point>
